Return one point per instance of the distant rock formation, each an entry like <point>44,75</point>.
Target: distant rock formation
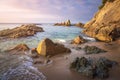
<point>78,40</point>
<point>79,25</point>
<point>47,47</point>
<point>105,25</point>
<point>66,23</point>
<point>22,31</point>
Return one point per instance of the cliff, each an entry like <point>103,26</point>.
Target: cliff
<point>105,25</point>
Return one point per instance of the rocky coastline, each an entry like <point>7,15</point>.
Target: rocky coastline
<point>105,25</point>
<point>50,61</point>
<point>22,31</point>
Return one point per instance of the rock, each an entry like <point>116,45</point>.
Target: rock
<point>77,48</point>
<point>93,50</point>
<point>47,47</point>
<point>78,40</point>
<point>66,23</point>
<point>105,24</point>
<point>21,47</point>
<point>22,31</point>
<point>92,68</point>
<point>79,24</point>
<point>33,50</point>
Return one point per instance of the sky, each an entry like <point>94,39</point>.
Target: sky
<point>44,11</point>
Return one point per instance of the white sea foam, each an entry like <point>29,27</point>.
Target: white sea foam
<point>24,71</point>
<point>89,38</point>
<point>60,40</point>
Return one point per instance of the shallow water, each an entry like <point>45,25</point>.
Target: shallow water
<point>56,33</point>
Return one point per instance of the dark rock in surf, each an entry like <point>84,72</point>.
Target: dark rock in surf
<point>93,50</point>
<point>93,68</point>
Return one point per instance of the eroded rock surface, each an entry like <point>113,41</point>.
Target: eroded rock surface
<point>78,40</point>
<point>93,50</point>
<point>93,68</point>
<point>105,25</point>
<point>48,47</point>
<point>22,31</point>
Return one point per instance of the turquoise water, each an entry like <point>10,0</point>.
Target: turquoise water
<point>56,33</point>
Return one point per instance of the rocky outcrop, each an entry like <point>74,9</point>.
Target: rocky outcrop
<point>93,68</point>
<point>93,50</point>
<point>105,25</point>
<point>47,47</point>
<point>79,24</point>
<point>22,31</point>
<point>21,47</point>
<point>66,23</point>
<point>78,40</point>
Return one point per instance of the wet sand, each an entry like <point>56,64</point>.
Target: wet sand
<point>59,69</point>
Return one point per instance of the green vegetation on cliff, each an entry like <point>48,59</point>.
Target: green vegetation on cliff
<point>104,2</point>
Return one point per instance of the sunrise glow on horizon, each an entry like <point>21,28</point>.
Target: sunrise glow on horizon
<point>35,11</point>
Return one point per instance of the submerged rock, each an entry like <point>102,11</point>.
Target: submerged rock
<point>93,68</point>
<point>78,40</point>
<point>47,47</point>
<point>22,31</point>
<point>93,50</point>
<point>21,47</point>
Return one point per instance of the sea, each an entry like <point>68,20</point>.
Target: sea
<point>60,34</point>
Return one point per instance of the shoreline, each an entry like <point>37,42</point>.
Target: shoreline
<point>59,69</point>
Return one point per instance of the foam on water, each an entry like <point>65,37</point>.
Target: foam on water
<point>89,38</point>
<point>60,40</point>
<point>25,71</point>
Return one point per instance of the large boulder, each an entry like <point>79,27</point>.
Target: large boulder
<point>78,40</point>
<point>22,31</point>
<point>93,68</point>
<point>104,25</point>
<point>47,47</point>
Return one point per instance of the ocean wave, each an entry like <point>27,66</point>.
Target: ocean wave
<point>89,38</point>
<point>60,40</point>
<point>24,71</point>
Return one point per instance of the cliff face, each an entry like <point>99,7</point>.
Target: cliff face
<point>105,25</point>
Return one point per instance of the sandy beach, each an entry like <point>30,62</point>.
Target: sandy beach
<point>59,69</point>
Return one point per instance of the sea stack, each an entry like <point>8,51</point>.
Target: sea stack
<point>66,23</point>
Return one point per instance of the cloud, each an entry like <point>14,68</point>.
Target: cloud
<point>47,10</point>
